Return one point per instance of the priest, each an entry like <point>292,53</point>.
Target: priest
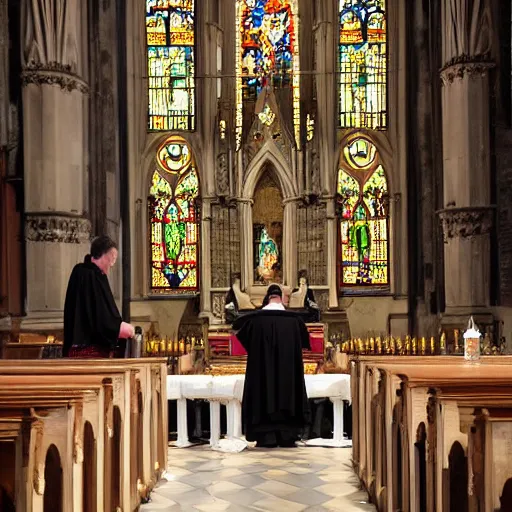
<point>92,323</point>
<point>275,407</point>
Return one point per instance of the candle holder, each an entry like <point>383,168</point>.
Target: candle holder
<point>423,346</point>
<point>414,346</point>
<point>456,337</point>
<point>432,345</point>
<point>472,338</point>
<point>443,344</point>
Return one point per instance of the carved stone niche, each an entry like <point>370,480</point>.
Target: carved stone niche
<point>218,303</point>
<point>69,229</point>
<point>466,222</point>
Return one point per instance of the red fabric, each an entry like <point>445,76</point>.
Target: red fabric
<point>236,349</point>
<point>91,352</point>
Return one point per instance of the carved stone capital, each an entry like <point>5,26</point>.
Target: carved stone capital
<point>61,228</point>
<point>465,65</point>
<point>53,73</point>
<point>466,222</point>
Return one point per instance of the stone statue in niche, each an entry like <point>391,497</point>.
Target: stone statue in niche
<point>303,298</point>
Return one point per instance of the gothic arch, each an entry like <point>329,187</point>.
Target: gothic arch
<point>154,166</point>
<point>269,154</point>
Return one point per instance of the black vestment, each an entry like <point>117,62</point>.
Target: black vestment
<point>91,316</point>
<point>275,407</point>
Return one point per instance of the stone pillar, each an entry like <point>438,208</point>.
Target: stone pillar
<point>246,249</point>
<point>467,217</point>
<point>290,242</point>
<point>54,105</point>
<point>206,264</point>
<point>325,42</point>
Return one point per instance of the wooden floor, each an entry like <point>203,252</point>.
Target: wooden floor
<point>284,480</point>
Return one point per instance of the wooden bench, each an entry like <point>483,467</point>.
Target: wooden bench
<point>133,405</point>
<point>395,397</point>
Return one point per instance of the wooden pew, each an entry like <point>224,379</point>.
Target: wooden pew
<point>48,416</point>
<point>383,418</point>
<point>136,402</point>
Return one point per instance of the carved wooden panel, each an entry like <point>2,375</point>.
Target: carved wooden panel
<point>312,242</point>
<point>225,245</point>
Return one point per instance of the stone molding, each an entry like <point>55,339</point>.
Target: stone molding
<point>53,73</point>
<point>463,66</point>
<point>466,222</point>
<point>55,227</point>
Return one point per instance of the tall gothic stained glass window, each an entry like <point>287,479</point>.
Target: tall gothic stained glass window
<point>173,219</point>
<point>364,217</point>
<point>362,64</point>
<point>267,52</point>
<point>170,36</point>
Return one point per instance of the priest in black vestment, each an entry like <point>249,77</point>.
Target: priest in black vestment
<point>92,323</point>
<point>275,406</point>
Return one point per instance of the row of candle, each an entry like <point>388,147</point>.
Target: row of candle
<point>165,347</point>
<point>390,345</point>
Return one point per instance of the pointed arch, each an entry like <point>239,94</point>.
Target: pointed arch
<point>363,210</point>
<point>269,156</point>
<point>173,213</point>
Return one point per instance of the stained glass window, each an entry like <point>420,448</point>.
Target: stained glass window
<point>267,52</point>
<point>170,26</point>
<point>363,210</point>
<point>174,220</point>
<point>362,61</point>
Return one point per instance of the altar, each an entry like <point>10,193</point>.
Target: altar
<point>223,345</point>
<point>228,390</point>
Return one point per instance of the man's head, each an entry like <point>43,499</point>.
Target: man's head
<point>275,294</point>
<point>104,252</point>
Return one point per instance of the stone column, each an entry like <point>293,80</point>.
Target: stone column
<point>54,103</point>
<point>206,265</point>
<point>246,249</point>
<point>290,242</point>
<point>325,42</point>
<point>467,217</point>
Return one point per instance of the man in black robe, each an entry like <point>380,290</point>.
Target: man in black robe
<point>92,323</point>
<point>275,407</point>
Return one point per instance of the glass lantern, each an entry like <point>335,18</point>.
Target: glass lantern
<point>472,338</point>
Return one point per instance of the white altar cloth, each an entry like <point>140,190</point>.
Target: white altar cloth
<point>229,390</point>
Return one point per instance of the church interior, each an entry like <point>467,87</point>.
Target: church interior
<point>358,153</point>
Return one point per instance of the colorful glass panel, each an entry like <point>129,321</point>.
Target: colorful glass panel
<point>174,228</point>
<point>363,211</point>
<point>170,38</point>
<point>268,254</point>
<point>363,66</point>
<point>267,53</point>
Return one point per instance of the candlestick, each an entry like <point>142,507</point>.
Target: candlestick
<point>443,343</point>
<point>432,345</point>
<point>392,346</point>
<point>407,345</point>
<point>379,345</point>
<point>399,346</point>
<point>414,346</point>
<point>423,346</point>
<point>456,334</point>
<point>372,346</point>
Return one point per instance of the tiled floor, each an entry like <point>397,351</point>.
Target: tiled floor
<point>284,480</point>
